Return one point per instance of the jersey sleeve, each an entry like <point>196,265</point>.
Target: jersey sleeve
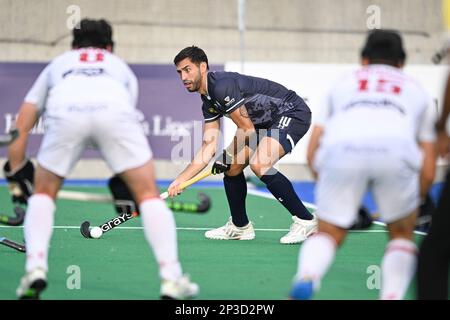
<point>426,132</point>
<point>209,113</point>
<point>228,95</point>
<point>37,95</point>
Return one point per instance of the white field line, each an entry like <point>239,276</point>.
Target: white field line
<point>268,195</point>
<point>379,223</point>
<point>189,229</point>
<point>257,193</point>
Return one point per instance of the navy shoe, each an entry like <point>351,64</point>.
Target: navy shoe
<point>302,290</point>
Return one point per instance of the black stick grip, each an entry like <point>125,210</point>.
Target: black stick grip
<point>12,244</point>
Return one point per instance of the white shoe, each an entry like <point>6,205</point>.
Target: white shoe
<point>32,284</point>
<point>180,289</point>
<point>230,232</point>
<point>299,230</point>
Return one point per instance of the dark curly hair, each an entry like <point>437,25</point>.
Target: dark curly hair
<point>384,46</point>
<point>93,33</point>
<point>195,54</point>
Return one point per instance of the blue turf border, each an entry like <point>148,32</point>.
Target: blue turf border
<point>305,190</point>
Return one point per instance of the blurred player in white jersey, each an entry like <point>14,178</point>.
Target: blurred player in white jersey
<point>375,132</point>
<point>434,258</point>
<point>88,96</point>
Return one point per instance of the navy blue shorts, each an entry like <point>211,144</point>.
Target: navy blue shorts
<point>287,130</point>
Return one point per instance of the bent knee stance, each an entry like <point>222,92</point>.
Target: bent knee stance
<point>260,169</point>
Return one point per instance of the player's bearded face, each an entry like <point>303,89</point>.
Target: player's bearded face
<point>195,82</point>
<point>190,74</point>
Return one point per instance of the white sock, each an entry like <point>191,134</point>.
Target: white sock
<point>397,268</point>
<point>315,257</point>
<point>160,231</point>
<point>38,229</point>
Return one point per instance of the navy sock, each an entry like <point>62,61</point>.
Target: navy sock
<point>236,191</point>
<point>283,191</point>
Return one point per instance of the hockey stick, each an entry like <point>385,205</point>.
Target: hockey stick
<point>84,196</point>
<point>12,244</point>
<point>19,216</point>
<point>112,223</point>
<point>201,207</point>
<point>6,139</point>
<point>17,220</point>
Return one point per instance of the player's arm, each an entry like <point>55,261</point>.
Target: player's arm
<point>428,170</point>
<point>132,86</point>
<point>244,134</point>
<point>211,131</point>
<point>28,115</point>
<point>313,145</point>
<point>427,142</point>
<point>18,170</point>
<point>245,131</point>
<point>320,118</point>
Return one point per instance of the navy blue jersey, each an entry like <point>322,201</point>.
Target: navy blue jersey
<point>265,100</point>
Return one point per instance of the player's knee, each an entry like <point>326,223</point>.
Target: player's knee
<point>146,196</point>
<point>401,230</point>
<point>337,234</point>
<point>401,233</point>
<point>144,191</point>
<point>49,188</point>
<point>258,169</point>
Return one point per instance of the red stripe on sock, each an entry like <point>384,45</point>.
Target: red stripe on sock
<point>151,198</point>
<point>391,296</point>
<point>163,264</point>
<point>401,248</point>
<point>43,194</point>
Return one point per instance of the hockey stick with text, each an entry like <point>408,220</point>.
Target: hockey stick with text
<point>12,244</point>
<point>191,207</point>
<point>200,207</point>
<point>112,223</point>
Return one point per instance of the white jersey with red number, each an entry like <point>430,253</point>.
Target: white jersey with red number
<point>373,120</point>
<point>88,97</point>
<point>83,78</point>
<point>377,103</point>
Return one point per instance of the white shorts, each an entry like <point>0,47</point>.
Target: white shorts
<point>345,174</point>
<point>118,136</point>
